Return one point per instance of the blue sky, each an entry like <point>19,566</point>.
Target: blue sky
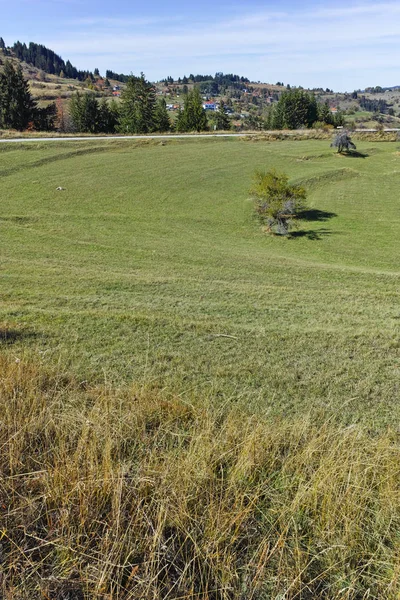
<point>341,45</point>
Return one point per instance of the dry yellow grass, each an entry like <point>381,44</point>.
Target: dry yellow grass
<point>122,493</point>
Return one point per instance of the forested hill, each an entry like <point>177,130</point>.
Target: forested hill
<point>47,60</point>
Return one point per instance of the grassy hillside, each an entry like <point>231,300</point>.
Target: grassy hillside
<point>190,408</point>
<point>150,266</point>
<point>44,87</point>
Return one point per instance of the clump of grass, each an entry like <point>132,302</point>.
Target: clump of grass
<point>109,493</point>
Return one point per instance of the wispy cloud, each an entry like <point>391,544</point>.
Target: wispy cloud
<point>120,22</point>
<point>386,8</point>
<point>345,46</point>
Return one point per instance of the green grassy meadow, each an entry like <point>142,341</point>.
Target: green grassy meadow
<point>150,267</point>
<point>190,408</point>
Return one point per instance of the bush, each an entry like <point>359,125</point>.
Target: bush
<point>343,142</point>
<point>322,125</point>
<point>277,202</point>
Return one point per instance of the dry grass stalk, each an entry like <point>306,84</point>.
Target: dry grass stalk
<point>110,493</point>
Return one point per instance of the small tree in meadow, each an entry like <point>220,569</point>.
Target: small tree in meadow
<point>343,142</point>
<point>193,116</point>
<point>277,202</point>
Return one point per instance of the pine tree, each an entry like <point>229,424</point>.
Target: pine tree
<point>294,109</point>
<point>324,113</point>
<point>339,119</point>
<point>137,106</point>
<point>44,119</point>
<point>221,118</point>
<point>193,116</point>
<point>161,118</point>
<point>2,44</point>
<point>75,111</point>
<point>115,111</point>
<point>107,117</point>
<point>85,112</point>
<point>17,106</point>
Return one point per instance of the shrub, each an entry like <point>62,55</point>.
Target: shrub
<point>322,125</point>
<point>343,142</point>
<point>277,202</point>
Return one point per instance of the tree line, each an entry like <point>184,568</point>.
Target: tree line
<point>140,112</point>
<point>298,109</point>
<point>219,77</point>
<point>48,61</point>
<point>117,76</point>
<point>372,105</point>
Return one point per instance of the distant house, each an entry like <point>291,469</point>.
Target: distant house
<point>209,106</point>
<point>116,88</point>
<point>117,94</point>
<point>334,110</point>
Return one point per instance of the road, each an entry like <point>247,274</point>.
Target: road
<point>122,137</point>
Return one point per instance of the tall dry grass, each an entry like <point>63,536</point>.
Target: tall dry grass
<point>108,493</point>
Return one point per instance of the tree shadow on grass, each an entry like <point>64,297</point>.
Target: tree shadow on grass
<point>317,216</point>
<point>353,154</point>
<point>311,234</point>
<point>314,214</point>
<point>10,336</point>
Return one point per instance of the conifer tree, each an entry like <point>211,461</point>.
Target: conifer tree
<point>295,109</point>
<point>221,118</point>
<point>193,116</point>
<point>17,106</point>
<point>161,118</point>
<point>75,111</point>
<point>107,116</point>
<point>115,111</point>
<point>324,113</point>
<point>44,118</point>
<point>84,111</point>
<point>339,119</point>
<point>137,106</point>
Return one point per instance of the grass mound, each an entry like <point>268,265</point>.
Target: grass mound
<point>122,493</point>
<point>329,177</point>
